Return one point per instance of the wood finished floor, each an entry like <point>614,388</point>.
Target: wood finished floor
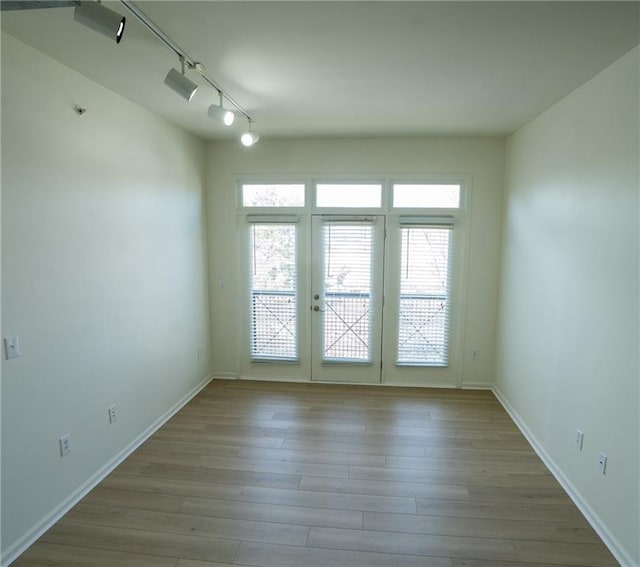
<point>270,474</point>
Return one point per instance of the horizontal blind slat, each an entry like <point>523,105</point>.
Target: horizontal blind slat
<point>405,220</point>
<point>272,219</point>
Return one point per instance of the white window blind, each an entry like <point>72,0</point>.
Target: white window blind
<point>347,277</point>
<point>274,334</point>
<point>425,294</point>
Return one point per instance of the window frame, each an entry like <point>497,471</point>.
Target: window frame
<point>301,370</point>
<point>386,182</point>
<point>445,210</point>
<point>464,181</point>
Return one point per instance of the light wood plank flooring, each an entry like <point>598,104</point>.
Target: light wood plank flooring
<point>270,474</point>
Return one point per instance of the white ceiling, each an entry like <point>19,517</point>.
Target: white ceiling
<point>336,69</point>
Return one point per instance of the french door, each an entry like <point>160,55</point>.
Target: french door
<point>352,298</point>
<point>346,297</point>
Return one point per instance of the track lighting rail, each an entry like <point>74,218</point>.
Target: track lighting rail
<point>181,53</point>
<point>6,5</point>
<point>94,15</point>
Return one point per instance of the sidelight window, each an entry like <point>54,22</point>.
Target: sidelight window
<point>273,282</point>
<point>425,295</point>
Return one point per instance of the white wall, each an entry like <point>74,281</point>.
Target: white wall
<point>567,352</point>
<point>480,158</point>
<point>104,279</point>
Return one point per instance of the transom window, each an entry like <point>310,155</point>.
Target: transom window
<point>349,195</point>
<point>426,196</point>
<point>352,195</point>
<point>273,195</point>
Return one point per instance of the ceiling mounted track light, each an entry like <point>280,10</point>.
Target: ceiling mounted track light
<point>218,112</point>
<point>184,87</point>
<point>249,138</point>
<point>100,19</point>
<point>111,24</point>
<point>180,84</point>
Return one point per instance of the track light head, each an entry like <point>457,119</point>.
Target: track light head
<point>228,117</point>
<point>180,84</point>
<point>248,139</point>
<point>220,113</point>
<point>224,115</point>
<point>100,19</point>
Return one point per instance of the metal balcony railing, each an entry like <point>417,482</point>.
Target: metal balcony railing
<point>423,328</point>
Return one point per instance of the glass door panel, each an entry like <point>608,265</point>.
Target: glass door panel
<point>346,298</point>
<point>419,347</point>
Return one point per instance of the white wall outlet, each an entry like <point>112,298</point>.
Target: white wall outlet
<point>65,445</point>
<point>475,354</point>
<point>602,462</point>
<point>11,347</point>
<point>579,439</point>
<point>113,413</point>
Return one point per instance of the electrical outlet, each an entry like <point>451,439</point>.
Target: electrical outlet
<point>475,354</point>
<point>11,347</point>
<point>579,439</point>
<point>602,461</point>
<point>65,445</point>
<point>113,413</point>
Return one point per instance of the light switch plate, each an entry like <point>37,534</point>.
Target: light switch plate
<point>11,347</point>
<point>602,463</point>
<point>65,445</point>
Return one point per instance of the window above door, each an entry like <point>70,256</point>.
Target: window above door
<point>423,194</point>
<point>269,195</point>
<point>426,196</point>
<point>348,195</point>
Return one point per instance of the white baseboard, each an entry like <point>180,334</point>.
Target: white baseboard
<point>289,379</point>
<point>476,386</point>
<point>225,376</point>
<point>617,550</point>
<point>20,546</point>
